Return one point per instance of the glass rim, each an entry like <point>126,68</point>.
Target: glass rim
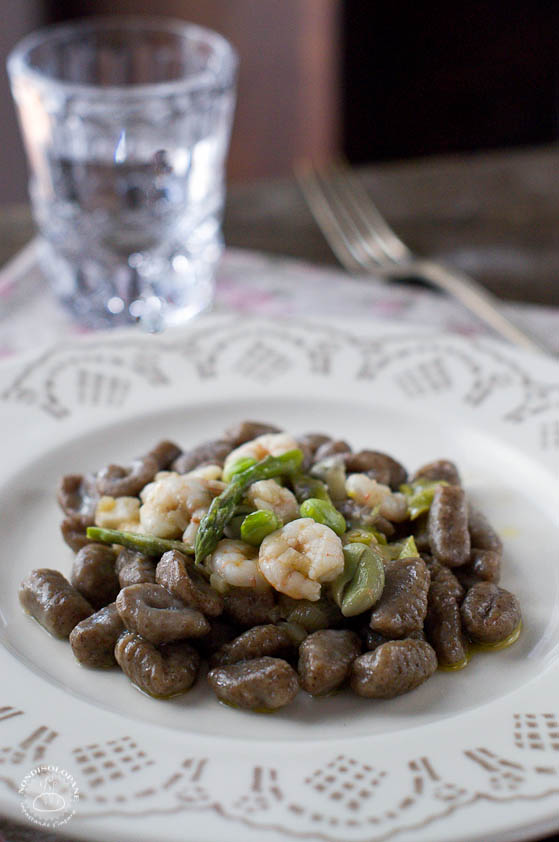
<point>17,62</point>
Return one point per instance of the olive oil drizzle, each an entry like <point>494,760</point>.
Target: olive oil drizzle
<point>459,665</point>
<point>476,648</point>
<point>501,644</point>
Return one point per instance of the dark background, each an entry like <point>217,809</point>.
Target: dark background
<point>371,80</point>
<point>448,76</point>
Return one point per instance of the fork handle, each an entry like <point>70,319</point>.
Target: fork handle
<point>479,301</point>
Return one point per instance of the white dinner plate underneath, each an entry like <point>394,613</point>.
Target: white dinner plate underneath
<point>472,755</point>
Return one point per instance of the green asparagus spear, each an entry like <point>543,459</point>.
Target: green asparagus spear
<point>237,467</point>
<point>420,495</point>
<point>305,487</point>
<point>257,525</point>
<point>146,544</point>
<point>222,508</point>
<point>361,583</point>
<point>324,512</point>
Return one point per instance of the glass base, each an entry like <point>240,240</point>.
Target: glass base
<point>147,291</point>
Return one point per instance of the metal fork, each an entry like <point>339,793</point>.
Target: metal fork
<point>363,241</point>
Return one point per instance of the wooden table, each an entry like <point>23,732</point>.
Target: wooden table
<point>495,215</point>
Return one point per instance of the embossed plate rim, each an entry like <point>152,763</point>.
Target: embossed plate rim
<point>261,800</point>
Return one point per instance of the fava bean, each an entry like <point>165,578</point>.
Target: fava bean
<point>305,487</point>
<point>324,512</point>
<point>419,495</point>
<point>311,616</point>
<point>405,548</point>
<point>257,525</point>
<point>361,584</point>
<point>364,535</point>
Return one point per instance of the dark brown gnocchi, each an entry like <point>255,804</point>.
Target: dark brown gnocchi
<point>161,672</point>
<point>93,640</point>
<point>53,602</point>
<point>392,669</point>
<point>151,611</point>
<point>336,573</point>
<point>325,659</point>
<point>94,574</point>
<point>260,684</point>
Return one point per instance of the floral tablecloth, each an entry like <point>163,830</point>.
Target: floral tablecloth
<point>259,284</point>
<point>254,284</point>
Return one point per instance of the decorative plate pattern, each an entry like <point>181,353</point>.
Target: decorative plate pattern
<point>480,774</point>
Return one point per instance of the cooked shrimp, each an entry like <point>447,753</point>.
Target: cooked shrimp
<point>297,558</point>
<point>191,531</point>
<point>370,493</point>
<point>118,513</point>
<point>209,472</point>
<point>172,500</point>
<point>267,494</point>
<point>235,563</point>
<point>271,444</point>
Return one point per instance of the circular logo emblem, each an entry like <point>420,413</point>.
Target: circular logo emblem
<point>49,796</point>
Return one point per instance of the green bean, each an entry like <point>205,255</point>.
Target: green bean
<point>324,512</point>
<point>420,495</point>
<point>147,544</point>
<point>305,487</point>
<point>257,525</point>
<point>364,535</point>
<point>405,548</point>
<point>361,583</point>
<point>223,507</point>
<point>237,467</point>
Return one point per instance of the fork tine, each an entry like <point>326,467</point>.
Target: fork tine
<point>370,252</point>
<point>370,218</point>
<point>334,220</point>
<point>325,218</point>
<point>361,239</point>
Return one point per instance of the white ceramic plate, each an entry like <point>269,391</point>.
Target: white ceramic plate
<point>468,756</point>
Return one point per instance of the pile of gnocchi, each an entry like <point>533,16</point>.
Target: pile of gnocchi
<point>274,564</point>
